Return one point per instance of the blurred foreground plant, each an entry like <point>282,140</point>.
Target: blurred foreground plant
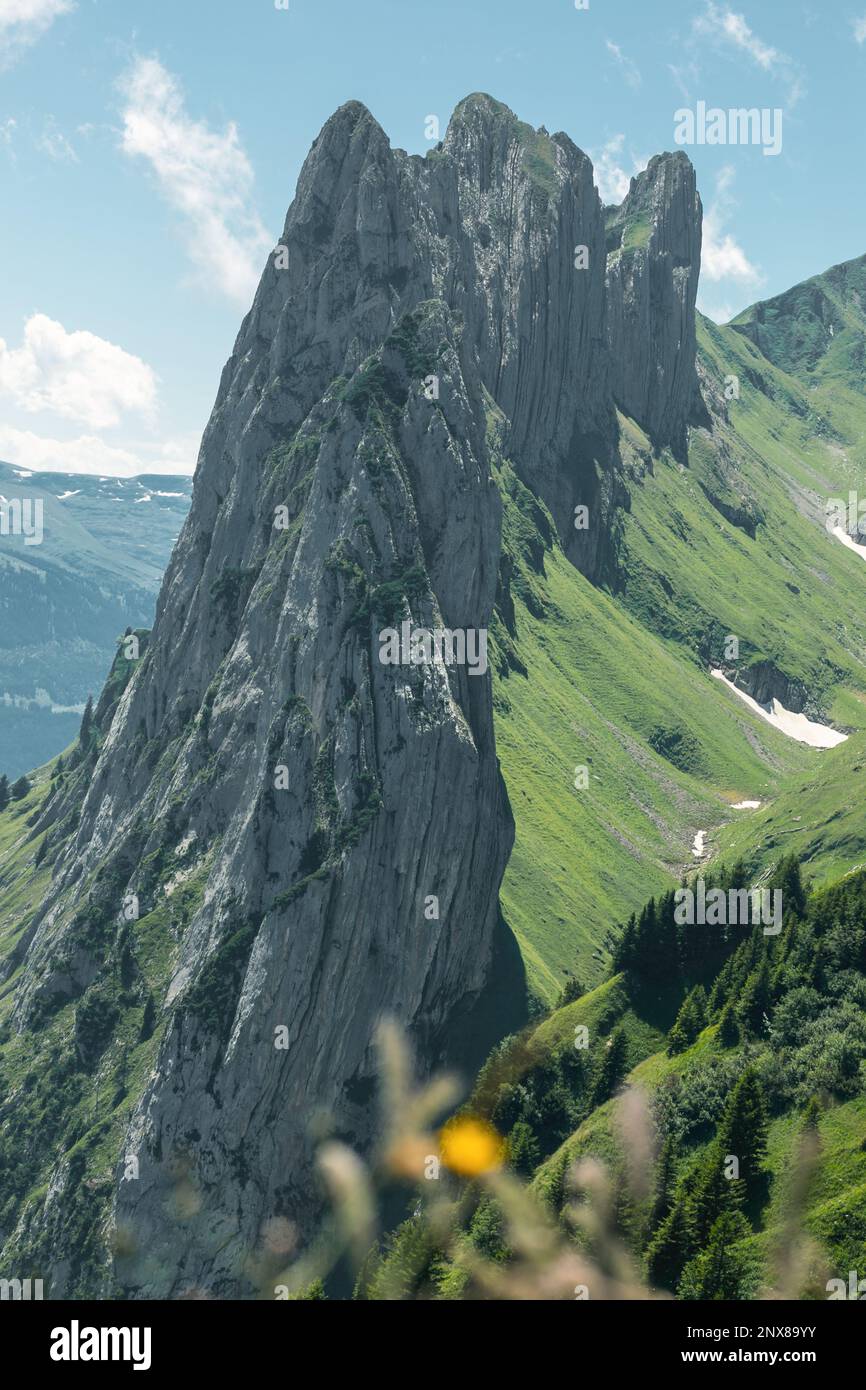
<point>457,1172</point>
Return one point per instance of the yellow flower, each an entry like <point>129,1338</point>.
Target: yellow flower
<point>471,1147</point>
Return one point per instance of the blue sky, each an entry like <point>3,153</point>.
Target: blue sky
<point>148,153</point>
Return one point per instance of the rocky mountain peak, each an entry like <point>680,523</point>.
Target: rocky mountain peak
<point>340,817</point>
<point>653,264</point>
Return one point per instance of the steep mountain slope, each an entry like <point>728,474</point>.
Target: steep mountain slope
<point>664,752</point>
<point>816,330</point>
<point>97,569</point>
<point>318,798</point>
<point>469,397</point>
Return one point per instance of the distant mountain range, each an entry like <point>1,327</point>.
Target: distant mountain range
<point>64,602</point>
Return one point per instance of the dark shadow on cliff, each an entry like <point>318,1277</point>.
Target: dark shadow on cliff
<point>499,1010</point>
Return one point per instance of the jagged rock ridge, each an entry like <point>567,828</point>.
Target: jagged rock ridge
<point>398,272</point>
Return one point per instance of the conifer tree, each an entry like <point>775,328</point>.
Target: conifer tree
<point>613,1067</point>
<point>20,789</point>
<point>743,1131</point>
<point>671,1247</point>
<point>665,1181</point>
<point>625,950</point>
<point>715,1191</point>
<point>788,879</point>
<point>729,1032</point>
<point>720,992</point>
<point>523,1149</point>
<point>720,1272</point>
<point>690,1021</point>
<point>755,999</point>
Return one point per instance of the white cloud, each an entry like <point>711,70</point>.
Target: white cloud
<point>685,75</point>
<point>722,257</point>
<point>7,137</point>
<point>722,23</point>
<point>628,68</point>
<point>22,22</point>
<point>54,143</point>
<point>76,375</point>
<point>719,313</point>
<point>204,174</point>
<point>612,179</point>
<point>89,454</point>
<point>860,29</point>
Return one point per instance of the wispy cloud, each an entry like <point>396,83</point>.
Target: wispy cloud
<point>77,376</point>
<point>204,174</point>
<point>54,143</point>
<point>685,75</point>
<point>628,68</point>
<point>721,23</point>
<point>723,258</point>
<point>860,29</point>
<point>723,26</point>
<point>613,171</point>
<point>22,22</point>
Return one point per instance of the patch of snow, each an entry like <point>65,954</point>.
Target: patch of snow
<point>63,495</point>
<point>146,498</point>
<point>795,726</point>
<point>842,535</point>
<point>698,848</point>
<point>746,806</point>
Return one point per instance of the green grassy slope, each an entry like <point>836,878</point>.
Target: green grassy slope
<point>22,881</point>
<point>791,592</point>
<point>812,441</point>
<point>733,543</point>
<point>815,330</point>
<point>603,693</point>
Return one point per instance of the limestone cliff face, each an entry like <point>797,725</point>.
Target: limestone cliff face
<point>320,798</point>
<point>654,256</point>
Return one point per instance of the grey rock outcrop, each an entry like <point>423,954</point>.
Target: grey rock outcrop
<point>654,257</point>
<point>318,797</point>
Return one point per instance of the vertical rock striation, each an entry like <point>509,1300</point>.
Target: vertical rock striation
<point>319,798</point>
<point>654,256</point>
